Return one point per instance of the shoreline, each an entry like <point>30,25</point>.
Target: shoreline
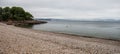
<point>87,36</point>
<point>22,40</point>
<point>27,22</point>
<point>75,36</point>
<point>84,36</point>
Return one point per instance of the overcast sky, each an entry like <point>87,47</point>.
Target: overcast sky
<point>69,9</point>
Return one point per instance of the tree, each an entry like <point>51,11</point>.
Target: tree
<point>0,13</point>
<point>0,10</point>
<point>6,14</point>
<point>28,16</point>
<point>19,13</point>
<point>14,14</point>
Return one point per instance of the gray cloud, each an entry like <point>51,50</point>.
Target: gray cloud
<point>79,9</point>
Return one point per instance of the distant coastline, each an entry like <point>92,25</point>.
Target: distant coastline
<point>91,20</point>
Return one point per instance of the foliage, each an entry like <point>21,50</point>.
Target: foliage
<point>0,13</point>
<point>14,14</point>
<point>28,16</point>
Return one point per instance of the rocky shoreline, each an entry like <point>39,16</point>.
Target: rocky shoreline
<point>16,23</point>
<point>15,40</point>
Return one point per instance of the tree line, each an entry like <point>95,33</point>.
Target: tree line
<point>14,14</point>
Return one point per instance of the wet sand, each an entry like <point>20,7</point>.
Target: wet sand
<point>15,40</point>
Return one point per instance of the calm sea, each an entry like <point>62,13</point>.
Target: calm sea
<point>109,30</point>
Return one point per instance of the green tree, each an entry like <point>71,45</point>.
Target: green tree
<point>28,16</point>
<point>6,14</point>
<point>14,14</point>
<point>0,13</point>
<point>19,13</point>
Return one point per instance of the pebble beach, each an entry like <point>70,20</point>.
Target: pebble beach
<point>16,40</point>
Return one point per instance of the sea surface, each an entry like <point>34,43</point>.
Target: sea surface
<point>99,29</point>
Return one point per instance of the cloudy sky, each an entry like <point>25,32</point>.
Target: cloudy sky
<point>69,9</point>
